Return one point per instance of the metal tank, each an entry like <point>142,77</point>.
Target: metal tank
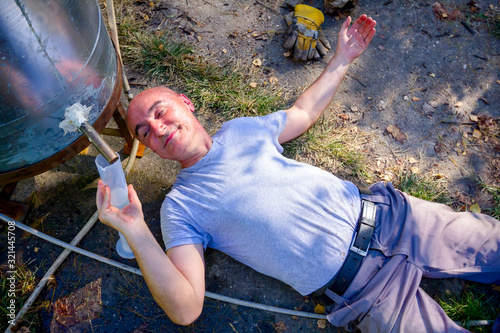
<point>53,53</point>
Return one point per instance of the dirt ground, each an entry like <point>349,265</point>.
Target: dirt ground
<point>427,90</point>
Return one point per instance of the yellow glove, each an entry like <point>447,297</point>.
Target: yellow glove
<point>304,32</point>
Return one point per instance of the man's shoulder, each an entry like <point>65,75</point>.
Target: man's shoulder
<point>269,121</point>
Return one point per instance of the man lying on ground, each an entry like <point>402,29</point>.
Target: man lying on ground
<point>362,253</point>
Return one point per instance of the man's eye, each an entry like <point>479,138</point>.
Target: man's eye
<point>160,113</point>
<point>146,132</point>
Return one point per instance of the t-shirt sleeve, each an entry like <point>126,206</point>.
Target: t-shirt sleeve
<point>176,229</point>
<point>276,123</point>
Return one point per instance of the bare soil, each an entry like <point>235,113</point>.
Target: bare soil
<point>427,90</point>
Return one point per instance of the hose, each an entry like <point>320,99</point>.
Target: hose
<point>70,247</point>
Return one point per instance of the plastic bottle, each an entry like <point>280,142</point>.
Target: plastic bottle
<point>112,175</point>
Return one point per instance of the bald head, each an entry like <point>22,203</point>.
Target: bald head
<point>139,104</point>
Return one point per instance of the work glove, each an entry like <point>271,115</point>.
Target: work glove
<point>304,32</point>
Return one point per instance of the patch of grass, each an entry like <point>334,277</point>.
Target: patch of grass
<point>490,16</point>
<point>332,148</point>
<point>469,307</point>
<point>25,282</point>
<point>495,192</point>
<point>423,186</point>
<point>221,88</point>
<point>224,89</point>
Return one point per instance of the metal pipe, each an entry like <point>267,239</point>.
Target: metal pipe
<point>114,35</point>
<point>102,146</point>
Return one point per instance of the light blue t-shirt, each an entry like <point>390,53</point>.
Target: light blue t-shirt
<point>286,219</point>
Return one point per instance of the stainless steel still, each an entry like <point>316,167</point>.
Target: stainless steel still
<point>53,53</point>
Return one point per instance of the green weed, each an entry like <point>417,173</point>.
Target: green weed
<point>495,192</point>
<point>25,282</point>
<point>423,186</point>
<point>468,307</point>
<point>333,148</point>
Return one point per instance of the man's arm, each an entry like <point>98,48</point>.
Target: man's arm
<point>176,281</point>
<point>313,102</point>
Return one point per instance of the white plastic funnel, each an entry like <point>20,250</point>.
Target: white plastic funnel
<point>112,175</point>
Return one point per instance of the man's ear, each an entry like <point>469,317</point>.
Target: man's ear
<point>187,101</point>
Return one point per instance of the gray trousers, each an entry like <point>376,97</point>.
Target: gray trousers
<point>414,239</point>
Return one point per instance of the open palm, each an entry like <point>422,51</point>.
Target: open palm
<point>354,40</point>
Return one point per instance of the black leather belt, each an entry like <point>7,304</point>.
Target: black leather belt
<point>357,251</point>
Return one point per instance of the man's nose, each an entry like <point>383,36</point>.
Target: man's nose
<point>158,128</point>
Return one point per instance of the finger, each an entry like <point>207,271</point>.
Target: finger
<point>364,27</point>
<point>358,22</point>
<point>370,28</point>
<point>106,203</point>
<point>99,198</point>
<point>345,26</point>
<point>370,24</point>
<point>132,195</point>
<point>368,39</point>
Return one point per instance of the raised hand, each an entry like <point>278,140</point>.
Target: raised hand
<point>354,40</point>
<point>123,219</point>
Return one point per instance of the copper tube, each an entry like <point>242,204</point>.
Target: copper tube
<point>102,146</point>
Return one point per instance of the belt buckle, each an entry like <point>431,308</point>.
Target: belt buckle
<point>357,249</point>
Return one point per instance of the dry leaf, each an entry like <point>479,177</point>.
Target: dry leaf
<point>412,160</point>
<point>396,133</point>
<point>475,208</point>
<point>476,134</point>
<point>36,249</point>
<point>198,38</point>
<point>415,170</point>
<point>321,323</point>
<point>380,47</point>
<point>464,199</point>
<point>496,288</point>
<point>415,99</point>
<point>319,309</point>
<point>280,327</point>
<point>224,51</point>
<point>387,177</point>
<point>253,85</point>
<point>473,118</point>
<point>257,62</point>
<point>498,81</point>
<point>432,75</point>
<point>273,80</point>
<point>151,4</point>
<point>458,104</point>
<point>445,14</point>
<point>287,54</point>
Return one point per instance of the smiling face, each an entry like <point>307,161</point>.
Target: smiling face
<point>163,120</point>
